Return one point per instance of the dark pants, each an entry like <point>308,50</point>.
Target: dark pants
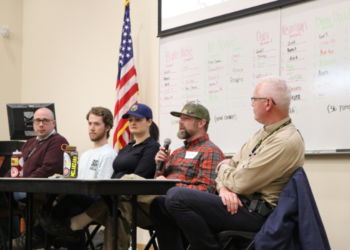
<point>72,205</point>
<point>200,215</point>
<point>4,223</point>
<point>69,206</point>
<point>163,220</point>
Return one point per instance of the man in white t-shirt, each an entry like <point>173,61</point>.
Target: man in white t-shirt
<point>98,161</point>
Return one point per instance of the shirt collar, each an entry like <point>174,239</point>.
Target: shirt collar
<point>146,141</point>
<point>197,140</point>
<point>52,133</point>
<point>269,129</point>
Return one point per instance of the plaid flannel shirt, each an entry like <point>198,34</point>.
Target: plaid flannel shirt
<point>196,172</point>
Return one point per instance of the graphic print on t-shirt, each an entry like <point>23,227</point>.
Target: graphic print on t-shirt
<point>94,165</point>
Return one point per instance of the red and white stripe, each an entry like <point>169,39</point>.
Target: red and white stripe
<point>126,96</point>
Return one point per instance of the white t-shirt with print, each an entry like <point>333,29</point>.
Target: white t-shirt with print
<point>97,163</point>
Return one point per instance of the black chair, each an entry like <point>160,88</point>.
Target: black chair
<point>152,240</point>
<point>236,240</point>
<point>91,235</point>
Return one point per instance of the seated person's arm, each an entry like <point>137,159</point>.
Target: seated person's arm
<point>263,168</point>
<point>229,199</point>
<point>146,166</point>
<point>232,163</point>
<point>53,160</point>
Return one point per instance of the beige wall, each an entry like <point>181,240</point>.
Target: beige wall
<point>70,53</point>
<point>70,57</point>
<point>329,179</point>
<point>11,14</point>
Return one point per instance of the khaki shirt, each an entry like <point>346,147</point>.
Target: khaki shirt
<point>269,168</point>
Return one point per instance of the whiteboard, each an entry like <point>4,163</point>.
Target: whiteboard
<point>219,67</point>
<point>316,62</point>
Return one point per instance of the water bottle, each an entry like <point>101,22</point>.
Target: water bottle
<point>17,164</point>
<point>70,161</point>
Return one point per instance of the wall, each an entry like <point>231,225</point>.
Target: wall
<point>70,58</point>
<point>329,179</point>
<point>11,14</point>
<point>70,53</point>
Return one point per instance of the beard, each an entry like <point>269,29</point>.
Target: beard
<point>97,137</point>
<point>183,134</point>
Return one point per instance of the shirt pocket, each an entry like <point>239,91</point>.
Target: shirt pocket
<point>193,165</point>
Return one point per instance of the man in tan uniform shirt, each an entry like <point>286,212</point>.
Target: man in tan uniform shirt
<point>263,165</point>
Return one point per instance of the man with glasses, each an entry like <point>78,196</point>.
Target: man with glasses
<point>249,184</point>
<point>43,157</point>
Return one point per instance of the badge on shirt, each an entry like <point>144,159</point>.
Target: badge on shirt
<point>190,155</point>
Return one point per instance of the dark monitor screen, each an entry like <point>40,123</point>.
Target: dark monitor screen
<point>20,116</point>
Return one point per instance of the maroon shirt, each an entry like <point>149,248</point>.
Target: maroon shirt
<point>46,160</point>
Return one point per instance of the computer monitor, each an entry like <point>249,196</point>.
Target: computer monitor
<point>20,116</point>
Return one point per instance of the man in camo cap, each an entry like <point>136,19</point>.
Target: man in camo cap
<point>194,164</point>
<point>194,112</point>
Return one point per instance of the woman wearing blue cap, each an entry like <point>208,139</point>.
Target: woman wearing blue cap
<point>138,157</point>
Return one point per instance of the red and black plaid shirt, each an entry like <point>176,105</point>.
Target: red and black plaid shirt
<point>196,171</point>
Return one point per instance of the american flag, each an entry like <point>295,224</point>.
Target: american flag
<point>127,87</point>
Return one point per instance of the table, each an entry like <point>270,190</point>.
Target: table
<point>91,187</point>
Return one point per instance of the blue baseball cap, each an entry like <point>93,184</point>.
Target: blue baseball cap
<point>139,110</point>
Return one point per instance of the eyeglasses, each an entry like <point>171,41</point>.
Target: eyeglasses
<point>44,121</point>
<point>262,98</point>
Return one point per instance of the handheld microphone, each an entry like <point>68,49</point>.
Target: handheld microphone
<point>167,142</point>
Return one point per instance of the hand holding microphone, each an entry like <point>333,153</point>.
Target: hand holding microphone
<point>162,156</point>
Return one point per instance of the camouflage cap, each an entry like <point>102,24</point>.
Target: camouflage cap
<point>195,110</point>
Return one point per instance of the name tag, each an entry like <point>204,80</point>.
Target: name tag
<point>190,155</point>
